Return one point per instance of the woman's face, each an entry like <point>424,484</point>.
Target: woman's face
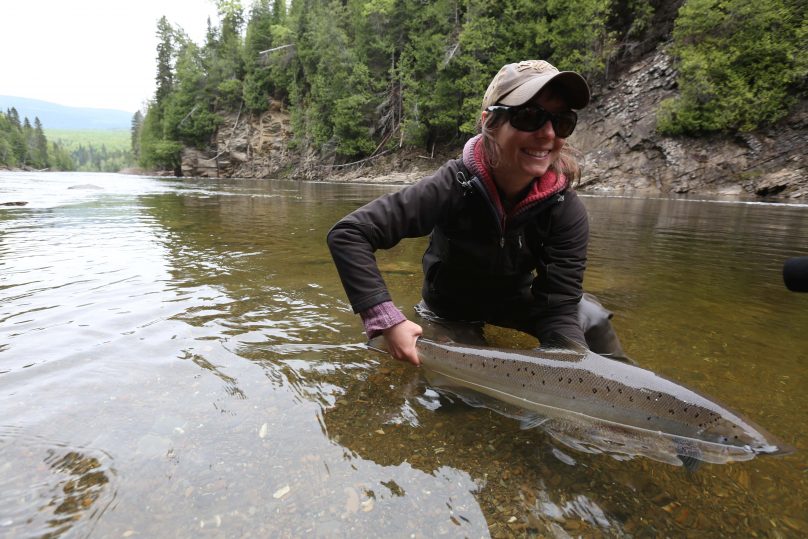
<point>526,155</point>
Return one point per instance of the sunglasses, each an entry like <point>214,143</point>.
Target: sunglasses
<point>533,117</point>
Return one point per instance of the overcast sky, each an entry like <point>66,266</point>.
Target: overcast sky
<point>90,53</point>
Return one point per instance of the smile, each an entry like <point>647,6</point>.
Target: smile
<point>541,154</point>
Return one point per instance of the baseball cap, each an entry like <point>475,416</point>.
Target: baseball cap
<point>515,84</point>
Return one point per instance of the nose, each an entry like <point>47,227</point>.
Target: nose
<point>546,130</point>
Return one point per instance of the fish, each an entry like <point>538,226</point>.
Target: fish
<point>592,403</point>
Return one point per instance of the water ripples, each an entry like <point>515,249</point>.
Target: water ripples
<point>188,343</point>
<point>63,489</point>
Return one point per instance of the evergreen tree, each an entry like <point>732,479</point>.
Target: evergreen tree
<point>40,145</point>
<point>7,155</point>
<point>357,75</point>
<point>137,125</point>
<point>189,116</point>
<point>14,118</point>
<point>740,62</point>
<point>222,56</point>
<point>165,62</point>
<point>59,158</point>
<point>258,84</point>
<point>23,145</point>
<point>576,36</point>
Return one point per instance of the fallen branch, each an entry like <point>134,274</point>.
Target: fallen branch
<point>356,162</point>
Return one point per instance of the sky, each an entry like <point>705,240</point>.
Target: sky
<point>90,53</point>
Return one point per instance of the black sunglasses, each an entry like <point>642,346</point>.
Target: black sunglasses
<point>533,117</point>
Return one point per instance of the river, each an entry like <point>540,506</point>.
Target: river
<point>178,358</point>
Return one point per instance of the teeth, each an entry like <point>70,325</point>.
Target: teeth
<point>537,153</point>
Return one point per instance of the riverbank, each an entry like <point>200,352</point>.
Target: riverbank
<point>620,149</point>
<point>622,152</point>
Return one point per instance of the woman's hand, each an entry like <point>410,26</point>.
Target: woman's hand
<point>401,341</point>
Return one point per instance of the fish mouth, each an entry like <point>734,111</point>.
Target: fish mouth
<point>770,449</point>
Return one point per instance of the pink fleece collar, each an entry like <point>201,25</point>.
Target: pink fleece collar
<point>542,188</point>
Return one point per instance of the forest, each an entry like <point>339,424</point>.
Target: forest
<point>96,150</point>
<point>359,76</point>
<point>25,146</point>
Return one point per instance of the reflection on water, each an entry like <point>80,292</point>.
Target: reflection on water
<point>47,487</point>
<point>190,346</point>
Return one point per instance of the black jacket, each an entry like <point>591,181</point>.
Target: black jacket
<point>479,265</point>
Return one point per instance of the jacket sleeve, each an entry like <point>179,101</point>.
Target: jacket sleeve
<point>409,213</point>
<point>558,286</point>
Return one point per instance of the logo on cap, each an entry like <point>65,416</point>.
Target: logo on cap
<point>539,66</point>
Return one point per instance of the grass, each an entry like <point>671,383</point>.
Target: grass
<point>113,139</point>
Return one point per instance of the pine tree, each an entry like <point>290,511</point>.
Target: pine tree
<point>739,61</point>
<point>258,86</point>
<point>137,125</point>
<point>40,145</point>
<point>165,62</point>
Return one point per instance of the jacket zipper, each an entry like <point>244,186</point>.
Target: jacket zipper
<point>502,223</point>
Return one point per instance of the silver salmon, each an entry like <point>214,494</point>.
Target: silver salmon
<point>594,404</point>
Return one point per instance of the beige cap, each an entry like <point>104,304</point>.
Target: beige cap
<point>516,84</point>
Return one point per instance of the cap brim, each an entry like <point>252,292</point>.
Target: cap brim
<point>576,91</point>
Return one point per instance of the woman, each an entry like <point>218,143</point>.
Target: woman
<point>508,235</point>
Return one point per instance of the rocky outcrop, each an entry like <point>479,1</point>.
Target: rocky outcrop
<point>246,145</point>
<point>622,150</point>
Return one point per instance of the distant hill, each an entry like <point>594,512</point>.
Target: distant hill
<point>54,116</point>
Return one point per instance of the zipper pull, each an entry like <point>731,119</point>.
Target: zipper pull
<point>502,241</point>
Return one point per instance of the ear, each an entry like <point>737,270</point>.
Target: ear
<point>483,116</point>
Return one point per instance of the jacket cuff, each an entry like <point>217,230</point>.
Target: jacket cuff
<point>380,317</point>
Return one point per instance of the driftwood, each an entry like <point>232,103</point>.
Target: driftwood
<point>365,160</point>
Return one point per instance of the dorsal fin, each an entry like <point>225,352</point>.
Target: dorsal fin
<point>557,341</point>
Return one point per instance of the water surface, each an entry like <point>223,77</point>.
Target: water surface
<point>177,358</point>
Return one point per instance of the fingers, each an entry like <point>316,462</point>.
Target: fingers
<point>401,340</point>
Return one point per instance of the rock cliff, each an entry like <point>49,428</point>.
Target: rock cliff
<point>622,150</point>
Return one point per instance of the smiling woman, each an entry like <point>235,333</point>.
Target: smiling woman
<point>508,232</point>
